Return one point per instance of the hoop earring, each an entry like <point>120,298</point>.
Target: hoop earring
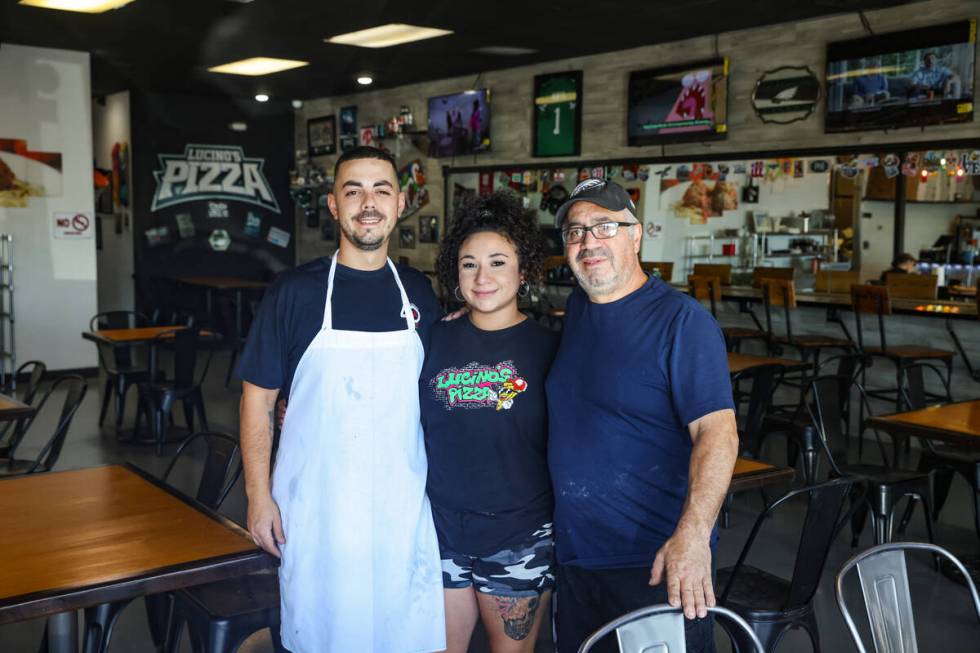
<point>457,295</point>
<point>524,289</point>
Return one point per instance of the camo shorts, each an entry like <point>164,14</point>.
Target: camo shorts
<point>526,570</point>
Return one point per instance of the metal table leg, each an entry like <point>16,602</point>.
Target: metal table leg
<point>63,632</point>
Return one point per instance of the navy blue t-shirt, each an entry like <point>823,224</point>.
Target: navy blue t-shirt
<point>291,314</point>
<point>485,420</point>
<point>629,378</point>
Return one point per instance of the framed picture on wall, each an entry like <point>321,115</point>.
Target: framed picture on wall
<point>557,114</point>
<point>406,237</point>
<point>428,229</point>
<point>348,128</point>
<point>321,134</point>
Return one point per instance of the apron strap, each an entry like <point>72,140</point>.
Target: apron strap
<point>328,306</point>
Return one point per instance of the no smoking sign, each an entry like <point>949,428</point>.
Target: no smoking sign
<point>68,224</point>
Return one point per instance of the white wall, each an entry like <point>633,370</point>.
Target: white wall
<point>111,125</point>
<point>45,99</point>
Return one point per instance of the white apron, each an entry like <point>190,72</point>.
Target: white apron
<point>360,568</point>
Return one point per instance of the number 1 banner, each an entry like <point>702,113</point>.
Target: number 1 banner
<point>558,114</point>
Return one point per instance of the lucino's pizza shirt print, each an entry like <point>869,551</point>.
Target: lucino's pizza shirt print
<point>479,386</point>
<point>485,419</point>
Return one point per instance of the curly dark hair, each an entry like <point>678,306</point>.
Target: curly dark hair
<point>503,213</point>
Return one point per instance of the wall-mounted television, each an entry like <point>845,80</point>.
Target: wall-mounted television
<point>459,123</point>
<point>903,79</point>
<point>678,104</point>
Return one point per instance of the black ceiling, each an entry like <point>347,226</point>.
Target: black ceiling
<point>166,45</point>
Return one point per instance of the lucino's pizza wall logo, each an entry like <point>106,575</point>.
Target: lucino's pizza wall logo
<point>211,172</point>
<point>478,386</point>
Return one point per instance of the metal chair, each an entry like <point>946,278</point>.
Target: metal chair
<point>772,605</point>
<point>708,287</point>
<point>888,601</point>
<point>34,370</point>
<point>156,399</point>
<point>659,629</point>
<point>221,470</point>
<point>75,389</point>
<point>782,292</point>
<point>117,362</point>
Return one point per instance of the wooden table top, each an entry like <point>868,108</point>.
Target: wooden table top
<point>80,538</point>
<point>750,474</point>
<point>132,336</point>
<point>931,307</point>
<point>11,409</point>
<point>738,362</point>
<point>958,423</point>
<point>223,283</point>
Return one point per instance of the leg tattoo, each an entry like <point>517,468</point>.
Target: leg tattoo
<point>517,615</point>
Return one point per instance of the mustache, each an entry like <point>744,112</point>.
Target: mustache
<point>589,253</point>
<point>370,213</point>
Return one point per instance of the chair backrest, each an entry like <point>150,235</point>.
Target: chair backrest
<point>764,380</point>
<point>779,292</point>
<point>867,298</point>
<point>825,517</point>
<point>222,466</point>
<point>836,281</point>
<point>185,343</point>
<point>75,388</point>
<point>721,270</point>
<point>761,273</point>
<point>660,629</point>
<point>664,268</point>
<point>705,287</point>
<point>885,588</point>
<point>122,356</point>
<point>912,286</point>
<point>34,371</point>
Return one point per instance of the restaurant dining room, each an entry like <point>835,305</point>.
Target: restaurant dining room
<point>499,327</point>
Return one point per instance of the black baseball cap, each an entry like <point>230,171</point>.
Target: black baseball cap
<point>607,194</point>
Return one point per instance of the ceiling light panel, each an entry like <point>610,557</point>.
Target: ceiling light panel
<point>504,50</point>
<point>84,6</point>
<point>256,66</point>
<point>385,36</point>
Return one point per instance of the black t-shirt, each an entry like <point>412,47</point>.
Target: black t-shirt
<point>291,314</point>
<point>486,430</point>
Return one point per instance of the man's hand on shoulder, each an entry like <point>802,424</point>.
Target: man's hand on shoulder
<point>685,561</point>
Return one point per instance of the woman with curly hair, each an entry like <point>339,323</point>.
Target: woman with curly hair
<point>485,421</point>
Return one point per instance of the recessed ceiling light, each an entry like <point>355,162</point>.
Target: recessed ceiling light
<point>85,6</point>
<point>261,97</point>
<point>257,66</point>
<point>365,80</point>
<point>504,50</point>
<point>238,126</point>
<point>385,36</point>
<point>297,104</point>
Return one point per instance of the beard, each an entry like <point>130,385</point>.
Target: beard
<point>592,281</point>
<point>367,242</point>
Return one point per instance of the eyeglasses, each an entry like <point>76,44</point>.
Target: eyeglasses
<point>602,231</point>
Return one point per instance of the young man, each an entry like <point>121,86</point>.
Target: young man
<point>642,435</point>
<point>346,508</point>
<point>902,264</point>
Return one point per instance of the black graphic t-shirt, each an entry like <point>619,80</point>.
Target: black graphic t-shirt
<point>291,314</point>
<point>485,420</point>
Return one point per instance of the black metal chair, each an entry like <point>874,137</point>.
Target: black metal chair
<point>220,471</point>
<point>156,399</point>
<point>75,389</point>
<point>773,605</point>
<point>797,426</point>
<point>12,432</point>
<point>122,372</point>
<point>943,460</point>
<point>231,340</point>
<point>887,485</point>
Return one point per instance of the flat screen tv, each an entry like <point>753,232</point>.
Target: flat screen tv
<point>459,123</point>
<point>904,79</point>
<point>678,104</point>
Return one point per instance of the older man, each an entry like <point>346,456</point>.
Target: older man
<point>642,431</point>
